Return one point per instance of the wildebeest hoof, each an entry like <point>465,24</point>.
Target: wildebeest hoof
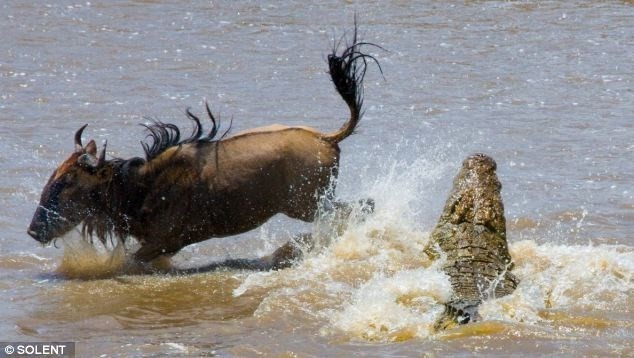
<point>286,255</point>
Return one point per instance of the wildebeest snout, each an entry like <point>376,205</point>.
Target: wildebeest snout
<point>39,228</point>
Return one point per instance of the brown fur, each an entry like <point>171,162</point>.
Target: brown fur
<point>250,178</point>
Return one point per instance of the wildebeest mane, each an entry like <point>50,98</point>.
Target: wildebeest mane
<point>167,135</point>
<point>119,195</point>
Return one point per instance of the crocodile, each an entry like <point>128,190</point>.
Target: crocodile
<point>471,235</point>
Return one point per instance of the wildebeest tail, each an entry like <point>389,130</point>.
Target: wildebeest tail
<point>347,71</point>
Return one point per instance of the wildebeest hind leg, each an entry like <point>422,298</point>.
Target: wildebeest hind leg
<point>285,256</point>
<point>150,252</point>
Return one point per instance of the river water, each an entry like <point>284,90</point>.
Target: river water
<point>545,88</point>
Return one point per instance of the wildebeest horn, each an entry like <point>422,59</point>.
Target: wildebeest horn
<point>78,146</point>
<point>102,156</point>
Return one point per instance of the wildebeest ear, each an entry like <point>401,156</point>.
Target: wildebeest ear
<point>91,147</point>
<point>87,161</point>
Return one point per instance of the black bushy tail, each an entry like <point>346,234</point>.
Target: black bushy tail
<point>347,71</point>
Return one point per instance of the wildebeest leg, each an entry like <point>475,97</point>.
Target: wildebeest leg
<point>150,252</point>
<point>281,258</point>
<point>284,256</point>
<point>292,251</point>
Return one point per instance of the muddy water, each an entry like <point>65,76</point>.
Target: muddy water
<point>544,88</point>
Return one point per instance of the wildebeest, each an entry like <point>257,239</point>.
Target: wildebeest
<point>186,191</point>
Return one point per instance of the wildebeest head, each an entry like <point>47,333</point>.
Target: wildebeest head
<point>69,195</point>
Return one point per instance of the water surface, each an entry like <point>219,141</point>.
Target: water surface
<point>544,88</point>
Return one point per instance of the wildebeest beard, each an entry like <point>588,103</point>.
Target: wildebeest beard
<point>112,206</point>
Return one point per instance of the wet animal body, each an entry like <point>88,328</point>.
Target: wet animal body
<point>189,190</point>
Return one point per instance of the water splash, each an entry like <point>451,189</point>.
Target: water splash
<point>397,307</point>
<point>565,277</point>
<point>373,282</point>
<point>84,260</point>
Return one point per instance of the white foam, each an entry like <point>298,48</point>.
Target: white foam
<point>570,277</point>
<point>396,307</point>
